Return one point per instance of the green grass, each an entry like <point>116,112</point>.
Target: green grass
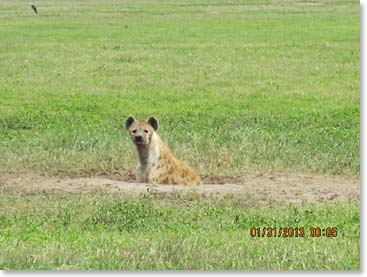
<point>236,85</point>
<point>182,231</point>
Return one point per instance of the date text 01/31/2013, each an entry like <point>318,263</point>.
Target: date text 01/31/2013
<point>329,232</point>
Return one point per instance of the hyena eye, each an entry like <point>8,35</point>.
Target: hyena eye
<point>145,131</point>
<point>134,131</point>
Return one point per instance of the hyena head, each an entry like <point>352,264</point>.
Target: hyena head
<point>141,131</point>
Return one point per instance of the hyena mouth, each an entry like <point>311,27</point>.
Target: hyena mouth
<point>139,142</point>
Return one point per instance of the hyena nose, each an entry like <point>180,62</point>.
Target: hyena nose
<point>138,138</point>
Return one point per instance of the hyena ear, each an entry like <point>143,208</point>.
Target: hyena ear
<point>153,122</point>
<point>129,121</point>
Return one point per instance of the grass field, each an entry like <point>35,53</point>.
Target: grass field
<point>183,231</point>
<point>238,86</point>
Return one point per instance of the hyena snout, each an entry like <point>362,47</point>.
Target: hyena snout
<point>140,137</point>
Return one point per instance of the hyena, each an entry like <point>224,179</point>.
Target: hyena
<point>157,164</point>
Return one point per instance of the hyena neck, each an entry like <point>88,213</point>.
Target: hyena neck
<point>149,154</point>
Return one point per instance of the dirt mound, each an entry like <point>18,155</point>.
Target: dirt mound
<point>268,188</point>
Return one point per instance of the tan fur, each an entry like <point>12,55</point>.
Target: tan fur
<point>157,164</point>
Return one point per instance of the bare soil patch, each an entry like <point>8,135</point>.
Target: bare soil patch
<point>266,187</point>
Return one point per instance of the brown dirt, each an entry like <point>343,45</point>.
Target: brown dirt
<point>266,187</point>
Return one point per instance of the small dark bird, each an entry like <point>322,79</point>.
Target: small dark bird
<point>34,8</point>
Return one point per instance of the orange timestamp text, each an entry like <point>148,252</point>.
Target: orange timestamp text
<point>283,232</point>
